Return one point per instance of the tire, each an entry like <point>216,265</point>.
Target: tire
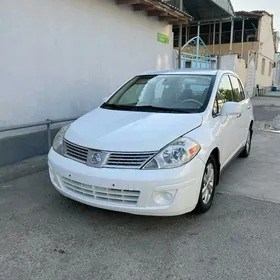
<point>204,203</point>
<point>247,149</point>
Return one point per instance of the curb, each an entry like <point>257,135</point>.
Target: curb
<point>23,168</point>
<point>269,95</point>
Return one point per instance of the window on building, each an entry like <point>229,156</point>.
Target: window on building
<point>270,68</point>
<point>224,94</point>
<point>238,94</point>
<point>263,66</point>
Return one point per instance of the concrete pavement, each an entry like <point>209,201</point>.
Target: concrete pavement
<point>259,175</point>
<point>46,236</point>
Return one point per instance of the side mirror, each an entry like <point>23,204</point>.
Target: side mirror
<point>231,109</point>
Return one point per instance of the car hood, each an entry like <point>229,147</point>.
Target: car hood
<point>115,130</point>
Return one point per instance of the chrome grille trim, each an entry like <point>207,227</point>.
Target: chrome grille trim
<point>124,197</point>
<point>75,152</point>
<point>121,160</point>
<point>127,160</point>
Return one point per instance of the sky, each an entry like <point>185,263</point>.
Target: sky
<point>271,6</point>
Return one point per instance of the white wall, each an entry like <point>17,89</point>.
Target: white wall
<point>229,62</point>
<point>233,63</point>
<point>266,52</point>
<point>58,58</point>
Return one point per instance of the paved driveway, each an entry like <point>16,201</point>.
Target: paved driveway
<point>46,236</point>
<point>259,175</point>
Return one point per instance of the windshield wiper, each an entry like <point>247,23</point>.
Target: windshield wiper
<point>161,109</point>
<point>117,107</point>
<point>148,108</point>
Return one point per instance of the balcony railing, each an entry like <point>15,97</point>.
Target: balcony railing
<point>250,35</point>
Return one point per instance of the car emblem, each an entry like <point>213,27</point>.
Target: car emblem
<point>95,158</point>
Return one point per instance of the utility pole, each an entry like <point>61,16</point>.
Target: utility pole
<point>180,39</point>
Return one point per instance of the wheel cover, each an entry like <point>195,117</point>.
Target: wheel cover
<point>208,183</point>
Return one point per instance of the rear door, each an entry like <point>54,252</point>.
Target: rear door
<point>248,105</point>
<point>242,119</point>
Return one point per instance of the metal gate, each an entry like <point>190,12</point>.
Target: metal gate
<point>251,74</point>
<point>195,54</point>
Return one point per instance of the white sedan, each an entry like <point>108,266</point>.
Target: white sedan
<point>157,146</point>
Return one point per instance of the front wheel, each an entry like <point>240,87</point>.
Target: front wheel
<point>208,185</point>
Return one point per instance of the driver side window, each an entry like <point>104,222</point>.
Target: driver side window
<point>223,95</point>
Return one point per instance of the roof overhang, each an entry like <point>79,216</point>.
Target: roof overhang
<point>253,14</point>
<point>160,9</point>
<point>248,14</point>
<point>203,10</point>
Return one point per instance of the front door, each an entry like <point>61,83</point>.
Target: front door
<point>227,125</point>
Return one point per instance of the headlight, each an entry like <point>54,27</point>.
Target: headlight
<point>58,140</point>
<point>176,154</point>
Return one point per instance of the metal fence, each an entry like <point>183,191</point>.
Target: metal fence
<point>260,91</point>
<point>46,123</point>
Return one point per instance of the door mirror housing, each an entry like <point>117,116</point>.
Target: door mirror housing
<point>231,109</point>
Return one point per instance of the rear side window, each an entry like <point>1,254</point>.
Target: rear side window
<point>237,90</point>
<point>242,90</point>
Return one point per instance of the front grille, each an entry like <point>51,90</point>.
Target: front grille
<point>127,160</point>
<point>75,152</point>
<point>117,196</point>
<point>109,159</point>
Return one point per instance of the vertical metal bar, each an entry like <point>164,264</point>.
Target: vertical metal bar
<point>49,134</point>
<point>242,38</point>
<point>214,36</point>
<point>180,39</point>
<point>220,43</point>
<point>231,35</point>
<point>209,35</point>
<point>197,41</point>
<point>187,35</point>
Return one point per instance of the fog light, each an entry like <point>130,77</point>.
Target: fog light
<point>163,198</point>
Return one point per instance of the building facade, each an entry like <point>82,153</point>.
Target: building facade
<point>252,39</point>
<point>245,43</point>
<point>276,72</point>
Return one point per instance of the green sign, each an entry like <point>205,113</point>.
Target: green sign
<point>162,38</point>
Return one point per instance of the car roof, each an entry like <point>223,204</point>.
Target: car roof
<point>188,71</point>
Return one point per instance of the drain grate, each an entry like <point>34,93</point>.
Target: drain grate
<point>267,127</point>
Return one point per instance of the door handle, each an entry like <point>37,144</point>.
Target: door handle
<point>249,107</point>
<point>239,115</point>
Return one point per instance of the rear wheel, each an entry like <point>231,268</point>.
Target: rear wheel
<point>247,149</point>
<point>208,185</point>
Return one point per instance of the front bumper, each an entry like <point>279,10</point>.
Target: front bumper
<point>128,190</point>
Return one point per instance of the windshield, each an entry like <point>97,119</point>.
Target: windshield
<point>164,93</point>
